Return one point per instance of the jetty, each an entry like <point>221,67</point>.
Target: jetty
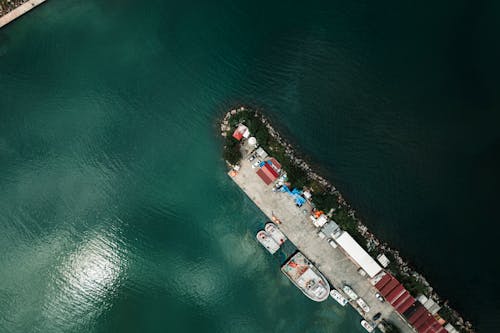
<point>341,252</point>
<point>332,262</point>
<point>19,11</point>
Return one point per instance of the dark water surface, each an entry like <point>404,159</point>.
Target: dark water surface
<point>116,213</point>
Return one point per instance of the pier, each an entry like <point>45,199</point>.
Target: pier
<point>295,224</point>
<point>19,11</point>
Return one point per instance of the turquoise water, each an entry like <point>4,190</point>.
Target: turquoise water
<point>117,214</point>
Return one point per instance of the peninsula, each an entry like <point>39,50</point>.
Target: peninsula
<point>11,10</point>
<point>312,214</point>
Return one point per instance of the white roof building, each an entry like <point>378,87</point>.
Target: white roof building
<point>331,229</point>
<point>243,130</point>
<point>450,328</point>
<point>261,152</point>
<point>358,254</point>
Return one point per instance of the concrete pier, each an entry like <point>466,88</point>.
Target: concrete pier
<point>295,224</point>
<point>19,11</point>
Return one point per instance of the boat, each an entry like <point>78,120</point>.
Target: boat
<point>338,297</point>
<point>306,277</point>
<point>275,233</point>
<point>361,302</point>
<point>350,293</point>
<point>266,240</point>
<point>367,326</point>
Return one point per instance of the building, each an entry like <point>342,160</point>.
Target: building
<point>394,292</point>
<point>357,254</point>
<point>267,173</point>
<point>319,221</point>
<point>261,153</point>
<point>241,132</point>
<point>429,304</point>
<point>331,229</point>
<point>422,320</point>
<point>450,328</point>
<point>275,164</point>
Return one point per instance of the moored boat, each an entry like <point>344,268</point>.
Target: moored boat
<point>366,325</point>
<point>361,302</point>
<point>275,233</point>
<point>350,293</point>
<point>266,240</point>
<point>338,297</point>
<point>306,277</point>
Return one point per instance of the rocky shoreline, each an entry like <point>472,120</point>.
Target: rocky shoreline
<point>372,242</point>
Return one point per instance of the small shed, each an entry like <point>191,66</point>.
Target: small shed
<point>261,152</point>
<point>275,163</point>
<point>330,229</point>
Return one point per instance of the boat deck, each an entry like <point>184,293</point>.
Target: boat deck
<point>307,278</point>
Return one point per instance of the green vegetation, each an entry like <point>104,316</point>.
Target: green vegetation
<point>322,198</point>
<point>296,175</point>
<point>232,152</point>
<point>411,283</point>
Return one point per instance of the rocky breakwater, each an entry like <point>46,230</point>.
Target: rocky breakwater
<point>331,199</point>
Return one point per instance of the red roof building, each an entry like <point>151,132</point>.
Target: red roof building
<point>267,174</point>
<point>385,279</point>
<point>275,163</point>
<point>270,169</point>
<point>403,302</point>
<point>237,135</point>
<point>389,287</point>
<point>265,178</point>
<point>393,296</point>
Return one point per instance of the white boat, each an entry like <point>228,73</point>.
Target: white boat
<point>275,233</point>
<point>367,326</point>
<point>361,302</point>
<point>350,293</point>
<point>306,277</point>
<point>338,297</point>
<point>265,239</point>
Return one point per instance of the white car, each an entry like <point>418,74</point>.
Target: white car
<point>379,297</point>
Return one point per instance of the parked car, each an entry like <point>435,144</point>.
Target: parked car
<point>377,316</point>
<point>251,158</point>
<point>379,297</point>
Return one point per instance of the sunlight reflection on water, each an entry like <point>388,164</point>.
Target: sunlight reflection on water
<point>86,282</point>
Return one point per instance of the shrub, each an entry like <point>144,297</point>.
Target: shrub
<point>232,152</point>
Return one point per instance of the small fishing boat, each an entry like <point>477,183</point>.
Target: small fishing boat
<point>306,277</point>
<point>367,326</point>
<point>267,241</point>
<point>275,233</point>
<point>338,297</point>
<point>350,293</point>
<point>361,302</point>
